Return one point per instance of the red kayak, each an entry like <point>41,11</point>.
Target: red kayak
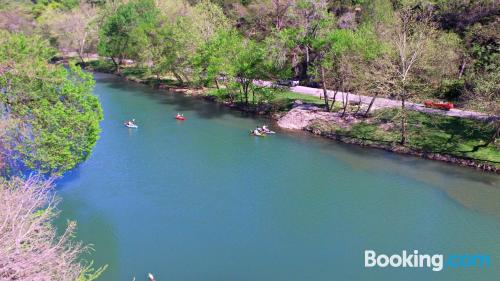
<point>182,118</point>
<point>443,106</point>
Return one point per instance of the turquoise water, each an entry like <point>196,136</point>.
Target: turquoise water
<point>202,200</point>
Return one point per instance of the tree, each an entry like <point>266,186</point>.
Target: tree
<point>53,106</point>
<point>16,20</point>
<point>338,54</point>
<point>75,30</point>
<point>410,36</point>
<point>281,9</point>
<point>122,33</point>
<point>249,65</point>
<point>215,58</point>
<point>308,17</point>
<point>30,248</point>
<point>177,34</point>
<point>378,76</point>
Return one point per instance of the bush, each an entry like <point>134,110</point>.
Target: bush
<point>451,89</point>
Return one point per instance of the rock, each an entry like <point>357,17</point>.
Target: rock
<point>297,103</point>
<point>301,116</point>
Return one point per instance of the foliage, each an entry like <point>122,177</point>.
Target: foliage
<point>54,105</point>
<point>74,30</point>
<point>179,38</point>
<point>122,34</point>
<point>215,58</point>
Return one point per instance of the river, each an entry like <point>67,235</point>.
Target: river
<point>203,200</point>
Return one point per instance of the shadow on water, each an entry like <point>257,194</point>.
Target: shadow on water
<point>101,238</point>
<point>179,102</point>
<point>68,177</point>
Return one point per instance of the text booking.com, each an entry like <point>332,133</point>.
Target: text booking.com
<point>436,262</point>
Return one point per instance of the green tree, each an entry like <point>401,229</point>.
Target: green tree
<point>215,58</point>
<point>410,38</point>
<point>54,106</point>
<point>338,52</point>
<point>123,33</point>
<point>249,65</point>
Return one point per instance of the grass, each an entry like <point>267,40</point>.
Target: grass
<point>430,133</point>
<point>290,97</point>
<point>280,100</point>
<point>135,73</point>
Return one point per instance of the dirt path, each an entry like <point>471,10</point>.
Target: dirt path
<point>388,103</point>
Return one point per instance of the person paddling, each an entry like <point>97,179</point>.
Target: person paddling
<point>180,116</point>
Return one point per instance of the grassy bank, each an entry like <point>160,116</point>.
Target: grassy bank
<point>458,137</point>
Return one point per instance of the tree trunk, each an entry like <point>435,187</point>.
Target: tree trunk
<point>245,89</point>
<point>334,100</point>
<point>345,104</point>
<point>217,83</point>
<point>462,68</point>
<point>496,134</point>
<point>371,104</point>
<point>359,105</point>
<point>253,95</point>
<point>492,139</point>
<point>325,92</point>
<point>403,121</point>
<point>117,66</point>
<point>81,59</point>
<point>177,76</point>
<point>82,48</point>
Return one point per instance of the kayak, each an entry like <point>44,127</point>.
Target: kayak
<point>131,126</point>
<point>180,118</point>
<point>257,134</point>
<point>264,129</point>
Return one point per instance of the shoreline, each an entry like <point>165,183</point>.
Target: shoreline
<point>448,158</point>
<point>479,165</point>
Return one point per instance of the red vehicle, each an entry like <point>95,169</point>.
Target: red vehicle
<point>438,105</point>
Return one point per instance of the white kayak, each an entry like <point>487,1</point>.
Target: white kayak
<point>266,130</point>
<point>131,125</point>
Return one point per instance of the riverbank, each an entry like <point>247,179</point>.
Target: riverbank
<point>381,132</point>
<point>450,139</point>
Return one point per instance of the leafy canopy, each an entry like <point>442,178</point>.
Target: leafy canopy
<point>55,107</point>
